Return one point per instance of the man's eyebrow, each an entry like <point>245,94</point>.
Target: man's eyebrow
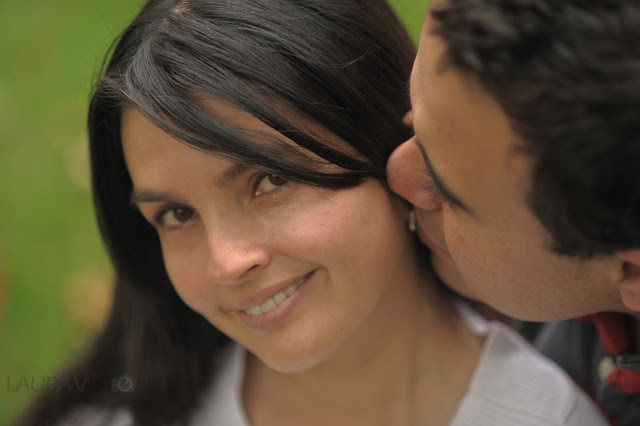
<point>439,184</point>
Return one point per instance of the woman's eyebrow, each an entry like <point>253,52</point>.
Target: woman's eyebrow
<point>143,196</point>
<point>232,173</point>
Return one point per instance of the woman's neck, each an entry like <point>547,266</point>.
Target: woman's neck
<point>413,359</point>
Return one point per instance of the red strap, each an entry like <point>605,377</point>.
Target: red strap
<point>627,380</point>
<point>613,329</point>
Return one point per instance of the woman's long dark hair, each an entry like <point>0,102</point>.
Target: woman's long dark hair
<point>343,63</point>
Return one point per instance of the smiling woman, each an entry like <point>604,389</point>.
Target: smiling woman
<point>275,281</point>
<point>265,273</point>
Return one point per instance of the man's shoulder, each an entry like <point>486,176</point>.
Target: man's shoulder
<point>592,350</point>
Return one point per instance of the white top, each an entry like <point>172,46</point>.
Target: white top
<point>513,385</point>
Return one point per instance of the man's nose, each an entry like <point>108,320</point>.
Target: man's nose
<point>407,176</point>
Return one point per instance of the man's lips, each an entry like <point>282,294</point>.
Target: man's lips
<point>428,241</point>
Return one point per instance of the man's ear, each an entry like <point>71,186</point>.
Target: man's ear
<point>629,283</point>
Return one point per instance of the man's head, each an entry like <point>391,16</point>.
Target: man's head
<point>525,168</point>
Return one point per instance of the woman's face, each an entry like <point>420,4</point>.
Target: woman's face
<point>289,271</point>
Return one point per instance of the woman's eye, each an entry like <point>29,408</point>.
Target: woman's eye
<point>174,217</point>
<point>269,183</point>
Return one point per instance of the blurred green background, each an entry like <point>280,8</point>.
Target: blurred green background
<point>55,280</point>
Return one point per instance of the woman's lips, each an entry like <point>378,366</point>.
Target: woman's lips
<point>274,301</point>
<point>276,308</point>
<point>263,295</point>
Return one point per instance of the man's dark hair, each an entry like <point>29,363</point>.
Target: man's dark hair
<point>567,73</point>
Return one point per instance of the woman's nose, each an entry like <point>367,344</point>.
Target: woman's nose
<point>406,174</point>
<point>235,257</point>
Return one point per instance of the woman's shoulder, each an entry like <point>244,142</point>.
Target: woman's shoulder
<point>222,402</point>
<point>515,384</point>
<point>97,416</point>
<point>219,403</point>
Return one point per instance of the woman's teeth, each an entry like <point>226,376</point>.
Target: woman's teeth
<point>274,301</point>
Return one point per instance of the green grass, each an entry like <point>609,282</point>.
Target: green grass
<point>49,243</point>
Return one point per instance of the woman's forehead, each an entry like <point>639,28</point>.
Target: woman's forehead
<point>280,142</point>
<point>135,124</point>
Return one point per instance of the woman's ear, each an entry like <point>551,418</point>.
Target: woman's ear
<point>629,283</point>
